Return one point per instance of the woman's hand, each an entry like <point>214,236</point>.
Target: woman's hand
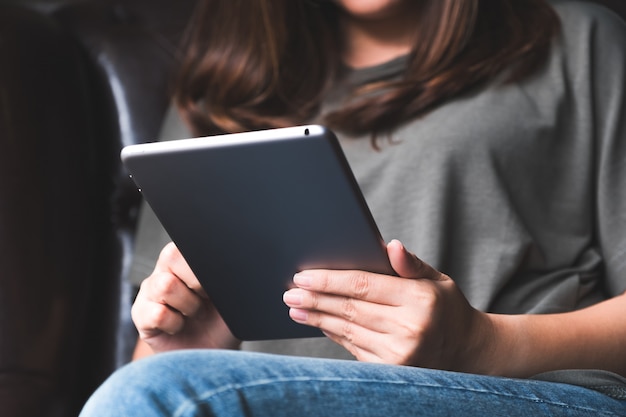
<point>172,311</point>
<point>421,321</point>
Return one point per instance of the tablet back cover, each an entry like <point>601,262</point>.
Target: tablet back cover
<point>249,210</point>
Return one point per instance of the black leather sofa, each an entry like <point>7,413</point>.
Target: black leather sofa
<point>78,80</point>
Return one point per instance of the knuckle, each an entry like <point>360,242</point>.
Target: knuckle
<point>433,297</point>
<point>360,285</point>
<point>420,265</point>
<point>425,293</point>
<point>164,285</point>
<point>316,320</point>
<point>135,313</point>
<point>406,347</point>
<point>169,254</point>
<point>401,357</point>
<point>144,287</point>
<point>323,282</point>
<point>196,287</point>
<point>413,333</point>
<point>195,308</point>
<point>150,317</point>
<point>425,270</point>
<point>348,309</point>
<point>312,300</point>
<point>138,310</point>
<point>160,316</point>
<point>348,332</point>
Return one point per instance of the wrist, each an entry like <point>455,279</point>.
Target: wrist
<point>512,347</point>
<point>495,347</point>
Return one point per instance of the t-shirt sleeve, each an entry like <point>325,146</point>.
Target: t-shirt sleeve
<point>150,236</point>
<point>609,96</point>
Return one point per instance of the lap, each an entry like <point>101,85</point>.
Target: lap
<point>227,383</point>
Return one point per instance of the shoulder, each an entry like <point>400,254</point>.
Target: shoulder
<point>593,38</point>
<point>584,16</point>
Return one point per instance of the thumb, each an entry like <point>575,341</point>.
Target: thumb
<point>407,265</point>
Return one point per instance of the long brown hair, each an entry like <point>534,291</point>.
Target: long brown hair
<point>254,64</point>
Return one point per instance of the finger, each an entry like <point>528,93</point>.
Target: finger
<point>362,354</point>
<point>372,316</point>
<point>351,336</point>
<point>171,260</point>
<point>168,289</point>
<point>361,285</point>
<point>407,265</point>
<point>152,319</point>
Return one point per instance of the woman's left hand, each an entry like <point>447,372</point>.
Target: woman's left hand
<point>424,320</point>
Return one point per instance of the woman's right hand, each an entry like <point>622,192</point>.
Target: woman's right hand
<point>172,311</point>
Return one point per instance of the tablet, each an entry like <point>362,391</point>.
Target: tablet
<point>249,210</point>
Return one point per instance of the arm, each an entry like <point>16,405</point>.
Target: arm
<point>592,338</point>
<point>426,321</point>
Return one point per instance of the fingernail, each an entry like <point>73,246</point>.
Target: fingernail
<point>398,243</point>
<point>298,315</point>
<point>292,298</point>
<point>302,280</point>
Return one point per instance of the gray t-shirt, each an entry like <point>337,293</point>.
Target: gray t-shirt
<point>517,191</point>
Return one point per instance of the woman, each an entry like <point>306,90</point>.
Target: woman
<point>487,136</point>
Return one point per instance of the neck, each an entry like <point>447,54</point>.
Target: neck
<point>373,42</point>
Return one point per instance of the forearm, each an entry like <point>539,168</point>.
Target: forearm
<point>525,345</point>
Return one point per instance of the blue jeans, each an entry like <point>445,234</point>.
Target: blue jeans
<point>226,383</point>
